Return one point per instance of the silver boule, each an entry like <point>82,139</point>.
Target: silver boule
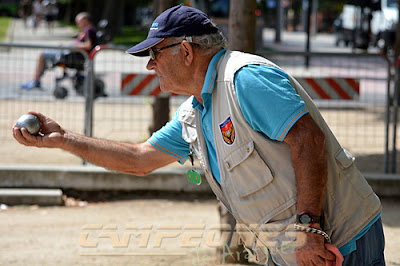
<point>30,122</point>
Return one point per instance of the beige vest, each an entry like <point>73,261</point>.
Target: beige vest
<point>258,183</point>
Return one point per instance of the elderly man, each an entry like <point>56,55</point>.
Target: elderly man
<point>86,40</point>
<point>265,149</point>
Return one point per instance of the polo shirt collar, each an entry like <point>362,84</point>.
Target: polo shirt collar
<point>211,75</point>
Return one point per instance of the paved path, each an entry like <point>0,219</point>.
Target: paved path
<point>60,35</point>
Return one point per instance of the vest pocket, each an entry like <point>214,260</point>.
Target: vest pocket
<point>349,171</point>
<point>254,168</point>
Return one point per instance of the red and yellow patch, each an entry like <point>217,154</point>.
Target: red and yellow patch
<point>228,131</point>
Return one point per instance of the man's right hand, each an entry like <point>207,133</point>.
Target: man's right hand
<point>51,135</point>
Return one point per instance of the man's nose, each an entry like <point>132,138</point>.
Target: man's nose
<point>151,64</point>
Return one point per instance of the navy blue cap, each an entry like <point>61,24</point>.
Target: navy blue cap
<point>176,21</point>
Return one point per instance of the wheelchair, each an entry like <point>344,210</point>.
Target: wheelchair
<point>74,62</point>
<point>73,67</point>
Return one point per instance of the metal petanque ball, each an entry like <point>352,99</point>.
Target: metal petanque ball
<point>30,122</point>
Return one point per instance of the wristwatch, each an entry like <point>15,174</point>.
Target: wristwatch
<point>305,218</point>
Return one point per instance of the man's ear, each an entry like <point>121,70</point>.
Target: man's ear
<point>188,52</point>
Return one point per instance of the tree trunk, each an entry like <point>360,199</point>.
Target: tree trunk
<point>396,49</point>
<point>242,25</point>
<point>94,10</point>
<point>160,104</point>
<point>397,43</point>
<point>113,12</point>
<point>278,25</point>
<point>68,13</point>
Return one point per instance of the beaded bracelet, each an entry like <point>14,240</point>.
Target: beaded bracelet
<point>313,230</point>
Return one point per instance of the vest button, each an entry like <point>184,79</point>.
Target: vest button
<point>227,164</point>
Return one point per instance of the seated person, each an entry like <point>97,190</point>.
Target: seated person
<point>86,40</point>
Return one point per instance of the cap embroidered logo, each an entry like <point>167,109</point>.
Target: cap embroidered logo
<point>154,26</point>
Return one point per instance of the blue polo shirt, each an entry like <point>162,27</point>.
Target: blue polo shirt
<point>266,97</point>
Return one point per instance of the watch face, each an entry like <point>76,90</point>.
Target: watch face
<point>305,218</point>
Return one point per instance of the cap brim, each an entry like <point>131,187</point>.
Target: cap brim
<point>142,49</point>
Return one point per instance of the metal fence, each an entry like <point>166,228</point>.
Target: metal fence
<point>353,91</point>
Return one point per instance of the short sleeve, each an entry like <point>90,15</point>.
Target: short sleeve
<point>169,140</point>
<point>268,100</point>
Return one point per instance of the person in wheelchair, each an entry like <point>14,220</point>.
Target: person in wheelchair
<point>86,40</point>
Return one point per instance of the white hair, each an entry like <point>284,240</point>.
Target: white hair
<point>83,15</point>
<point>207,43</point>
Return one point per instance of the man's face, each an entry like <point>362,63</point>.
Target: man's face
<point>81,22</point>
<point>168,67</point>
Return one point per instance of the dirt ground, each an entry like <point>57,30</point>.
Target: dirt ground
<point>95,232</point>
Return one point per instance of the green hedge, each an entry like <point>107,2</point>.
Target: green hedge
<point>129,37</point>
<point>4,24</point>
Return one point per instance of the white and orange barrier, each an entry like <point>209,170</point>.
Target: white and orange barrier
<point>317,88</point>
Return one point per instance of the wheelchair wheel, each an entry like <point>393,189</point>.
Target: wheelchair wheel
<point>99,89</point>
<point>60,92</point>
<point>78,83</point>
